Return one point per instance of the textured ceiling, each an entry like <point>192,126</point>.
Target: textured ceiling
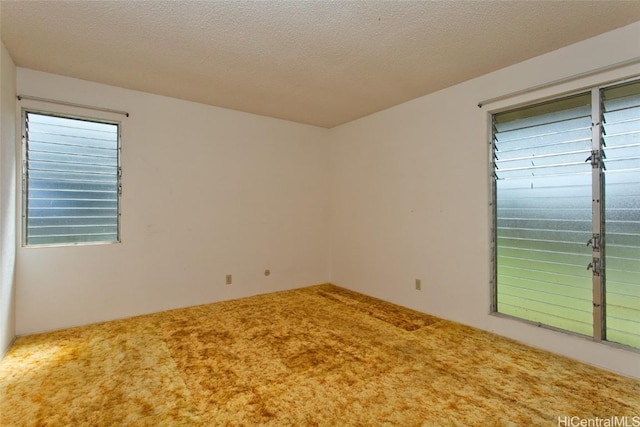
<point>317,62</point>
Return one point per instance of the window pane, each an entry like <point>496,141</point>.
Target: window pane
<point>72,180</point>
<point>621,123</point>
<point>543,204</point>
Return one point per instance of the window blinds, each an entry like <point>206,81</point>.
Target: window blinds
<point>71,175</point>
<point>543,213</point>
<point>621,134</point>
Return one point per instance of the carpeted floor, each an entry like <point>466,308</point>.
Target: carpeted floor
<point>315,356</point>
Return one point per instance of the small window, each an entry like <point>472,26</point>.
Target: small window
<point>71,180</point>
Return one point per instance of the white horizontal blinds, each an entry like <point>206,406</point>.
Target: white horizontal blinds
<point>71,180</point>
<point>543,205</point>
<point>621,133</point>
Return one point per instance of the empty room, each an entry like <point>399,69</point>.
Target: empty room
<point>297,213</point>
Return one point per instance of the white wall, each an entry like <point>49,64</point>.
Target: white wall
<point>7,199</point>
<point>206,192</point>
<point>410,197</point>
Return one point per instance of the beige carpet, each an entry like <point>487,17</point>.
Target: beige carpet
<point>315,356</point>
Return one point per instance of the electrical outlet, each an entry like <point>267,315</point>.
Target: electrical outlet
<point>418,285</point>
<point>229,279</point>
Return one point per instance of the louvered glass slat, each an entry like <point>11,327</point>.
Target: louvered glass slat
<point>543,205</point>
<point>72,180</point>
<point>621,124</point>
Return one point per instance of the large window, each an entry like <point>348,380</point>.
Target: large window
<point>567,213</point>
<point>71,180</point>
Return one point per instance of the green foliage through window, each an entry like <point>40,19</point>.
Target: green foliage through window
<point>544,213</point>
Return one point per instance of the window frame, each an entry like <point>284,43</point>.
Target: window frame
<point>24,179</point>
<point>594,88</point>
